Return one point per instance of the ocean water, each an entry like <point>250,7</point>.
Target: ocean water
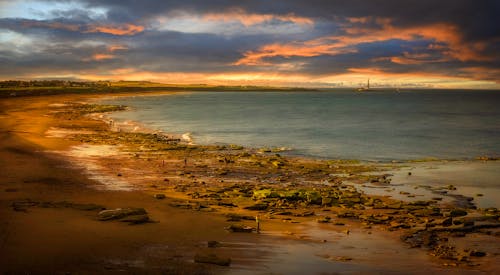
<point>379,125</point>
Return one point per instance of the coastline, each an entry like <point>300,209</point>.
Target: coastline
<point>200,187</point>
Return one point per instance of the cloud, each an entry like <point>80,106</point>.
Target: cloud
<point>249,19</point>
<point>314,40</point>
<point>123,29</point>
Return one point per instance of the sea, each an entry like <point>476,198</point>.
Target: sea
<point>336,124</point>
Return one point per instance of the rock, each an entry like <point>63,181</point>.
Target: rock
<point>213,244</point>
<point>257,207</point>
<point>240,228</point>
<point>212,259</point>
<point>343,258</point>
<point>159,196</point>
<point>475,253</point>
<point>458,213</point>
<point>347,214</point>
<point>264,194</point>
<point>447,222</point>
<point>313,197</point>
<point>119,213</point>
<point>136,219</point>
<point>324,219</point>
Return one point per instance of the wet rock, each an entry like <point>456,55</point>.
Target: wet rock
<point>119,213</point>
<point>458,213</point>
<point>240,228</point>
<point>159,196</point>
<point>212,259</point>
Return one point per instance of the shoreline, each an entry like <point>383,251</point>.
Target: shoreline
<point>209,170</point>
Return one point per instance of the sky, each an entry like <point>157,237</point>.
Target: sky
<point>306,43</point>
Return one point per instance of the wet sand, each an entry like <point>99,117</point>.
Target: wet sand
<point>50,159</point>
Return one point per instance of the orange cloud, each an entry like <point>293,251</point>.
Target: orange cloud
<point>304,49</point>
<point>124,29</point>
<point>50,25</point>
<point>415,58</point>
<point>332,45</point>
<point>113,48</point>
<point>102,56</point>
<point>249,19</point>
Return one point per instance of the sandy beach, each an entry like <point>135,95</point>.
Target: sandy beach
<point>192,209</point>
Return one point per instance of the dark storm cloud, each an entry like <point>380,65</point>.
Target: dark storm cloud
<point>477,19</point>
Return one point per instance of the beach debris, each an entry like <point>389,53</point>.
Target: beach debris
<point>212,259</point>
